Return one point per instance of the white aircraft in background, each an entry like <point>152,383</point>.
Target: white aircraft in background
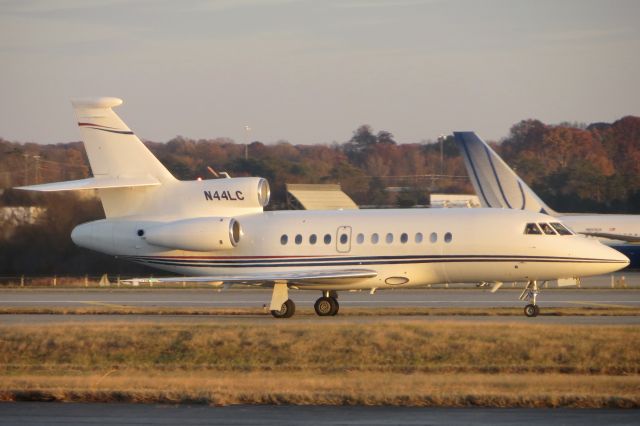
<point>216,231</point>
<point>498,186</point>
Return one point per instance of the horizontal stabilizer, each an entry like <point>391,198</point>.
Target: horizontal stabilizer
<point>93,183</point>
<point>294,277</point>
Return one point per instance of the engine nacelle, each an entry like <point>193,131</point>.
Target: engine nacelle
<point>236,192</point>
<point>198,234</point>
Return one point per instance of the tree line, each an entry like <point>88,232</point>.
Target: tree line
<point>573,167</point>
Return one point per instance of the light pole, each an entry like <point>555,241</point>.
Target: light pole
<point>441,138</point>
<point>246,145</point>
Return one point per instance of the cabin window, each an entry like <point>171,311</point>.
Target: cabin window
<point>284,239</point>
<point>532,229</point>
<point>404,238</point>
<point>433,237</point>
<point>374,238</point>
<point>313,239</point>
<point>298,239</point>
<point>360,238</point>
<point>547,229</point>
<point>389,238</point>
<point>562,230</point>
<point>344,238</point>
<point>419,237</point>
<point>448,237</point>
<point>327,238</point>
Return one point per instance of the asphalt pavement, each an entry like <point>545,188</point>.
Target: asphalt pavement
<point>35,414</point>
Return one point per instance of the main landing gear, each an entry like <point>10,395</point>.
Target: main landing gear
<point>287,309</point>
<point>530,293</point>
<point>281,306</point>
<point>327,305</point>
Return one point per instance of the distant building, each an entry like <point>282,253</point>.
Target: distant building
<point>454,200</point>
<point>318,197</point>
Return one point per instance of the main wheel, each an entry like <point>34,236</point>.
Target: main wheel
<point>325,306</point>
<point>531,310</point>
<point>287,310</point>
<point>336,306</point>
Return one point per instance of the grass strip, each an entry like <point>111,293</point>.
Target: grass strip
<point>344,311</point>
<point>388,363</point>
<point>423,390</point>
<point>407,347</point>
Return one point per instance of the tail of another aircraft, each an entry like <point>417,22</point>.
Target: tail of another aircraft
<point>119,161</point>
<point>496,184</point>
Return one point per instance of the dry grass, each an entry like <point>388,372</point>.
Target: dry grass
<point>415,363</point>
<point>344,311</point>
<point>279,346</point>
<point>527,390</point>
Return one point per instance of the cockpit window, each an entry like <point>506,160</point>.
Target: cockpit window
<point>562,230</point>
<point>547,229</point>
<point>532,229</point>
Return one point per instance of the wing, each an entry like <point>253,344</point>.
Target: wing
<point>341,276</point>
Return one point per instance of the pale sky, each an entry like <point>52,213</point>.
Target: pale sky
<point>313,71</point>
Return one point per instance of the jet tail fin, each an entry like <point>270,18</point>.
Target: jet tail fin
<point>123,167</point>
<point>113,149</point>
<point>496,184</point>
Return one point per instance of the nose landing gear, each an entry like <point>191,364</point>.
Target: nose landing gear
<point>327,305</point>
<point>530,293</point>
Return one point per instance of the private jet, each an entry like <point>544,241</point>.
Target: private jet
<point>217,231</point>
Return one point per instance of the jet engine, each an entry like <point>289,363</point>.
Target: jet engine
<point>198,234</point>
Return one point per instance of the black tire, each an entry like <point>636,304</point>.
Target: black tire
<point>324,306</point>
<point>537,310</point>
<point>531,310</point>
<point>336,306</point>
<point>286,311</point>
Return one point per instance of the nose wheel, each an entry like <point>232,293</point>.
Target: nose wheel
<point>327,305</point>
<point>531,310</point>
<point>530,293</point>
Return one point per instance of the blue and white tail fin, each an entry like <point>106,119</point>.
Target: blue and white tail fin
<point>119,161</point>
<point>496,184</point>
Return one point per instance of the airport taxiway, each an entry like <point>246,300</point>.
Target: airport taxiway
<point>237,298</point>
<point>34,413</point>
<point>259,298</point>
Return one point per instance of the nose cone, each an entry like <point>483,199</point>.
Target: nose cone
<point>611,259</point>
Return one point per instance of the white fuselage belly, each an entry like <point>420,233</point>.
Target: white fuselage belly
<point>486,245</point>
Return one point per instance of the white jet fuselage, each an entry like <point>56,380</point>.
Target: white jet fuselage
<point>406,247</point>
